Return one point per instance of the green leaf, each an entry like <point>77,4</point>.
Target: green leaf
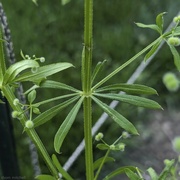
<point>160,21</point>
<point>153,50</point>
<point>2,60</point>
<point>119,171</point>
<point>64,2</point>
<point>98,162</point>
<point>45,177</point>
<point>57,85</point>
<point>152,173</point>
<point>132,175</point>
<point>118,118</point>
<point>102,146</point>
<point>43,72</point>
<point>60,168</point>
<point>129,88</point>
<point>32,96</point>
<point>14,70</point>
<point>166,170</point>
<point>97,69</point>
<point>2,102</point>
<point>35,2</point>
<point>50,113</point>
<point>176,31</point>
<point>134,100</point>
<point>66,125</point>
<point>176,56</point>
<point>150,26</point>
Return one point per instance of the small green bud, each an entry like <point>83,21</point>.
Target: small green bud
<point>34,69</point>
<point>42,59</point>
<point>166,161</point>
<point>29,124</point>
<point>176,144</point>
<point>176,19</point>
<point>121,146</point>
<point>174,41</point>
<point>99,136</point>
<point>112,147</point>
<point>171,82</point>
<point>36,111</point>
<point>125,135</point>
<point>15,114</point>
<point>16,101</point>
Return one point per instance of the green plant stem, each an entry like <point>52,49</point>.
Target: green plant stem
<point>86,86</point>
<point>125,64</point>
<point>30,132</point>
<point>101,165</point>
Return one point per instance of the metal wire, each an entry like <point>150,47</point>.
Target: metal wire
<point>21,97</point>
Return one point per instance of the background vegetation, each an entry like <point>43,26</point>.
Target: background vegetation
<point>56,32</point>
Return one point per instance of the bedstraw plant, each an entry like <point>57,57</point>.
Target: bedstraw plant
<point>32,70</point>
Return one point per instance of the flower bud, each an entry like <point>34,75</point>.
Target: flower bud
<point>29,124</point>
<point>34,69</point>
<point>125,135</point>
<point>176,144</point>
<point>36,111</point>
<point>16,101</point>
<point>112,147</point>
<point>121,146</point>
<point>42,59</point>
<point>99,136</point>
<point>174,41</point>
<point>15,114</point>
<point>171,82</point>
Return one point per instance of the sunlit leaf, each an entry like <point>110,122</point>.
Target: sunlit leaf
<point>160,21</point>
<point>102,146</point>
<point>119,171</point>
<point>150,26</point>
<point>152,173</point>
<point>132,175</point>
<point>66,125</point>
<point>176,56</point>
<point>128,88</point>
<point>12,72</point>
<point>97,69</point>
<point>98,162</point>
<point>134,100</point>
<point>45,177</point>
<point>60,168</point>
<point>166,170</point>
<point>43,72</point>
<point>118,118</point>
<point>153,50</point>
<point>50,113</point>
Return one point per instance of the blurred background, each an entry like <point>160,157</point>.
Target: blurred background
<point>56,33</point>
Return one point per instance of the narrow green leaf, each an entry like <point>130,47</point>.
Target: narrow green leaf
<point>150,26</point>
<point>132,175</point>
<point>119,171</point>
<point>134,100</point>
<point>43,72</point>
<point>153,50</point>
<point>2,60</point>
<point>118,118</point>
<point>60,168</point>
<point>32,96</point>
<point>57,85</point>
<point>2,102</point>
<point>98,162</point>
<point>102,146</point>
<point>14,70</point>
<point>45,177</point>
<point>66,125</point>
<point>97,69</point>
<point>160,21</point>
<point>176,56</point>
<point>50,113</point>
<point>152,173</point>
<point>177,31</point>
<point>128,88</point>
<point>166,170</point>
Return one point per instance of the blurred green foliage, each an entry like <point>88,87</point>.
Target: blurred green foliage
<point>56,32</point>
